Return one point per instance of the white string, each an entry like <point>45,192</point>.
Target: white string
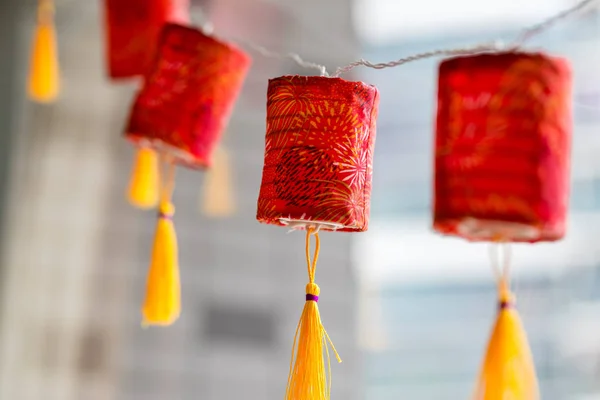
<point>493,254</point>
<point>481,48</point>
<point>208,28</point>
<point>476,49</point>
<point>501,269</point>
<point>292,56</point>
<point>506,247</point>
<point>548,23</point>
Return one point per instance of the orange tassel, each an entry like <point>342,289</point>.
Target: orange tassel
<point>143,187</point>
<point>218,199</point>
<point>43,74</point>
<point>308,379</point>
<point>162,304</point>
<point>508,370</point>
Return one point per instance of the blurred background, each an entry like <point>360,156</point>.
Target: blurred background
<point>410,312</point>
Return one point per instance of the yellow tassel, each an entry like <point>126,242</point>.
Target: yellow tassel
<point>217,196</point>
<point>308,379</point>
<point>508,370</point>
<point>43,73</point>
<point>162,304</point>
<point>143,187</point>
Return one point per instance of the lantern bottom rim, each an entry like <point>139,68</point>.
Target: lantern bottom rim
<point>489,229</point>
<point>303,224</point>
<point>178,156</point>
<point>477,229</point>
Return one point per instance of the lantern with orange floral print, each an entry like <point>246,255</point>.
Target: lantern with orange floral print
<point>178,117</point>
<point>317,176</point>
<point>132,32</point>
<point>502,175</point>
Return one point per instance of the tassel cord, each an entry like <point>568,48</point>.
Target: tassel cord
<point>166,179</point>
<point>162,304</point>
<point>501,269</point>
<point>312,266</point>
<point>312,269</point>
<point>508,369</point>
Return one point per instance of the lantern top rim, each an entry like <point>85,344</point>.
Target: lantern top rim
<point>483,60</point>
<point>200,34</point>
<point>317,78</point>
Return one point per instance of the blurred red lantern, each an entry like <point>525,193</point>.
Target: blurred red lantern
<point>132,31</point>
<point>317,175</point>
<point>503,147</point>
<point>319,152</point>
<point>179,114</point>
<point>502,175</point>
<point>188,96</point>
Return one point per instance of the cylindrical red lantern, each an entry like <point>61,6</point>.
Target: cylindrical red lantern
<point>179,114</point>
<point>132,31</point>
<point>317,176</point>
<point>502,175</point>
<point>188,95</point>
<point>503,147</point>
<point>319,152</point>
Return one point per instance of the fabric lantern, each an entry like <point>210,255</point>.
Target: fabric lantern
<point>317,176</point>
<point>43,84</point>
<point>502,175</point>
<point>179,116</point>
<point>132,31</point>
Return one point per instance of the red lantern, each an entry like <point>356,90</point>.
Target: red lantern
<point>188,96</point>
<point>502,147</point>
<point>132,29</point>
<point>502,175</point>
<point>319,152</point>
<point>317,175</point>
<point>180,113</point>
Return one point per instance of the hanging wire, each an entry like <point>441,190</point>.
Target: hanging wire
<point>292,56</point>
<point>207,27</point>
<point>480,48</point>
<point>495,46</point>
<point>524,36</point>
<point>550,22</point>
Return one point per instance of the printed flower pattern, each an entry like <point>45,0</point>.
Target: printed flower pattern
<point>355,168</point>
<point>503,144</point>
<point>318,151</point>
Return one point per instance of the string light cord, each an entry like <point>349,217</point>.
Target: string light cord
<point>524,36</point>
<point>550,22</point>
<point>208,28</point>
<point>292,56</point>
<point>481,48</point>
<point>488,47</point>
